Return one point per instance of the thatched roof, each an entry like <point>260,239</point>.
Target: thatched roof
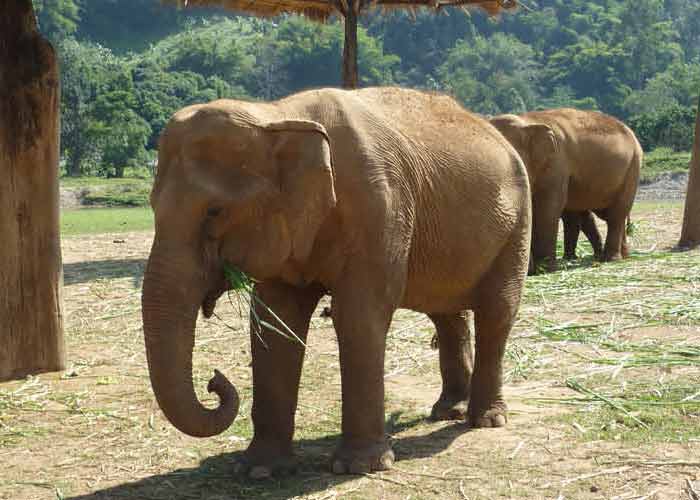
<point>320,10</point>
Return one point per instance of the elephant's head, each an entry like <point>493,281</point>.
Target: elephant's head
<point>229,188</point>
<point>534,142</point>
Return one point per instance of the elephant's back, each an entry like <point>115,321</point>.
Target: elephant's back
<point>599,150</point>
<point>588,132</point>
<point>470,193</point>
<point>454,188</point>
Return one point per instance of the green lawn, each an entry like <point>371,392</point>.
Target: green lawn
<point>105,220</point>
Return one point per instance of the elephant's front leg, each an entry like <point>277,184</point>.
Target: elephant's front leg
<point>361,316</point>
<point>546,208</point>
<point>277,363</point>
<point>572,226</point>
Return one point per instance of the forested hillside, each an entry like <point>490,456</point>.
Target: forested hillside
<point>128,64</point>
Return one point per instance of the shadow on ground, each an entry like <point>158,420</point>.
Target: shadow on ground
<point>84,272</point>
<point>215,478</point>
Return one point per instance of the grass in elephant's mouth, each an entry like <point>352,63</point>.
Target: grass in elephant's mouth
<point>243,286</point>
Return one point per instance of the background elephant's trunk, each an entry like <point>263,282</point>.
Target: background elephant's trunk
<point>170,302</point>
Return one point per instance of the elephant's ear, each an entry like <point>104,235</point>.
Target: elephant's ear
<point>543,142</point>
<point>302,152</point>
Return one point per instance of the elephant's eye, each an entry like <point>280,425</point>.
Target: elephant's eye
<point>213,212</point>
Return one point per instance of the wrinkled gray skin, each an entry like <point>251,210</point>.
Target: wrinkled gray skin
<point>384,198</point>
<point>578,162</point>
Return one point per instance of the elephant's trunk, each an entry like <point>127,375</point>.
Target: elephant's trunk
<point>170,302</point>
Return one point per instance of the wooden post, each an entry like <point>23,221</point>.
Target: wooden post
<point>690,234</point>
<point>350,78</point>
<point>31,325</point>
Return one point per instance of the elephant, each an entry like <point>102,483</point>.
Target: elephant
<point>382,198</point>
<point>578,161</point>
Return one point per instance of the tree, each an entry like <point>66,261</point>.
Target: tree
<point>58,19</point>
<point>690,233</point>
<point>31,325</point>
<point>491,75</point>
<point>121,132</point>
<point>349,10</point>
<point>671,126</point>
<point>87,70</point>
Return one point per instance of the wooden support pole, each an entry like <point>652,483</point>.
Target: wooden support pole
<point>690,234</point>
<point>31,325</point>
<point>350,71</point>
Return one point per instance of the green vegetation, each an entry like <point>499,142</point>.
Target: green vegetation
<point>105,220</point>
<point>110,192</point>
<point>663,161</point>
<point>636,412</point>
<point>92,181</point>
<point>127,66</point>
<point>119,195</point>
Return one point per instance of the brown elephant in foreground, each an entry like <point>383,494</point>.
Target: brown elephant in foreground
<point>578,162</point>
<point>383,198</point>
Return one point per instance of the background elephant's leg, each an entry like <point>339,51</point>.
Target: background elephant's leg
<point>276,371</point>
<point>494,314</point>
<point>456,365</point>
<point>545,224</point>
<point>361,315</point>
<point>589,228</point>
<point>572,226</point>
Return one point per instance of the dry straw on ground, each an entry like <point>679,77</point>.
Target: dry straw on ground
<point>624,333</point>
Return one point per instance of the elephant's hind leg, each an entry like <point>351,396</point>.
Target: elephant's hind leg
<point>617,214</point>
<point>498,299</point>
<point>456,365</point>
<point>589,228</point>
<point>277,364</point>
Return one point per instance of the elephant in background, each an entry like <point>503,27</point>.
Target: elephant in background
<point>578,162</point>
<point>383,198</point>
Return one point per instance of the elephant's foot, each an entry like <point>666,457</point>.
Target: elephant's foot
<point>264,462</point>
<point>570,256</point>
<point>612,257</point>
<point>450,408</point>
<point>352,460</point>
<point>542,267</point>
<point>493,415</point>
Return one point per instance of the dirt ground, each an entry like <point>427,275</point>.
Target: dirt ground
<point>592,341</point>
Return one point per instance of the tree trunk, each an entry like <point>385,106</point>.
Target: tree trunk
<point>31,325</point>
<point>690,234</point>
<point>73,166</point>
<point>350,78</point>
